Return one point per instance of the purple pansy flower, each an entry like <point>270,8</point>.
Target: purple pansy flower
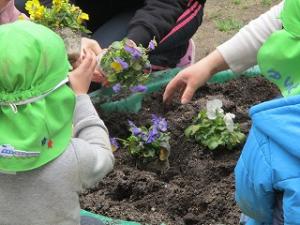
<point>152,45</point>
<point>122,63</point>
<point>138,88</point>
<point>129,49</point>
<point>160,123</point>
<point>152,135</point>
<point>114,142</point>
<point>135,53</point>
<point>134,129</point>
<point>117,88</point>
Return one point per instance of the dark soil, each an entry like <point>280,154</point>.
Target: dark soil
<point>199,186</point>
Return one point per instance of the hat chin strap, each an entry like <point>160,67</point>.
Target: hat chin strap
<point>13,105</point>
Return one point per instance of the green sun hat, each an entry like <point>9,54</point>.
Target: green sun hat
<point>279,57</point>
<point>36,105</point>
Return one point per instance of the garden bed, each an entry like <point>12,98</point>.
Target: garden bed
<point>199,186</point>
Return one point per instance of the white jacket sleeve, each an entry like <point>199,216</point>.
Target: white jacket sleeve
<point>91,143</point>
<point>240,52</point>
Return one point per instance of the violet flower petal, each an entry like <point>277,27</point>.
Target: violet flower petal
<point>122,63</point>
<point>138,88</point>
<point>160,123</point>
<point>117,88</point>
<point>114,142</point>
<point>152,135</point>
<point>152,45</point>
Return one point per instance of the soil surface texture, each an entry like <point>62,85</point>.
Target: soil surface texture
<point>199,186</point>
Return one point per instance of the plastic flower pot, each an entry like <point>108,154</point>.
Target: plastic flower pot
<point>72,42</point>
<point>133,103</point>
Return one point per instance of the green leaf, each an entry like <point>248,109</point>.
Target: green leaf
<point>213,144</point>
<point>149,154</point>
<point>112,78</point>
<point>137,67</point>
<point>116,45</point>
<point>241,137</point>
<point>191,130</point>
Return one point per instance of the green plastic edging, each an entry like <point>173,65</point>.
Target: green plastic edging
<point>227,75</point>
<point>107,220</point>
<point>133,103</point>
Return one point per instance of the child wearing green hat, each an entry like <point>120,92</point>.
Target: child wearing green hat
<point>52,142</point>
<point>267,175</point>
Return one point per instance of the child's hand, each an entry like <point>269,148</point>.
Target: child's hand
<point>87,43</point>
<point>81,77</point>
<point>187,81</point>
<point>92,45</point>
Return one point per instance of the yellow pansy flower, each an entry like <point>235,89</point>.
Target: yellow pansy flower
<point>116,66</point>
<point>57,4</point>
<point>29,6</point>
<point>35,9</point>
<point>39,12</point>
<point>74,8</point>
<point>84,16</point>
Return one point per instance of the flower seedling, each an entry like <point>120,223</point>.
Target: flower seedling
<point>212,128</point>
<point>148,144</point>
<point>62,14</point>
<point>126,65</point>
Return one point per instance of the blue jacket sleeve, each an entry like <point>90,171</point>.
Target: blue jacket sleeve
<point>253,176</point>
<point>291,200</point>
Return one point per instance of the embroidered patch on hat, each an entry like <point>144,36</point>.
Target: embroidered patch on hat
<point>8,151</point>
<point>50,143</point>
<point>47,141</point>
<point>44,141</point>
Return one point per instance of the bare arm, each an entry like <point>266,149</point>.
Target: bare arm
<point>238,54</point>
<point>240,51</point>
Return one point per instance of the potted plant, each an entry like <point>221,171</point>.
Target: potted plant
<point>65,19</point>
<point>213,128</point>
<point>149,146</point>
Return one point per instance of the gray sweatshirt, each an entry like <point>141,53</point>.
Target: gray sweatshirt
<point>49,195</point>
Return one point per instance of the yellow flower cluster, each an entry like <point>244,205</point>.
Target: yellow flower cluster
<point>57,4</point>
<point>35,9</point>
<point>62,14</point>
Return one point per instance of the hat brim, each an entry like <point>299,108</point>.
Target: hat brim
<point>44,127</point>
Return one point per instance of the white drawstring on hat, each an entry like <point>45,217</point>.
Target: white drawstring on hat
<point>13,105</point>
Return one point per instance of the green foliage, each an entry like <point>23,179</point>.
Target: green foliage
<point>226,25</point>
<point>213,133</point>
<point>266,2</point>
<point>236,2</point>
